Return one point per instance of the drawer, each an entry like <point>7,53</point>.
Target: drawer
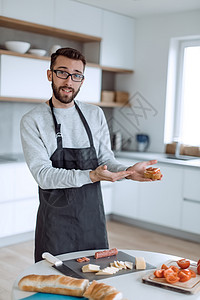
<point>190,216</point>
<point>191,186</point>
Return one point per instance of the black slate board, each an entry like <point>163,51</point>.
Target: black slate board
<point>103,263</point>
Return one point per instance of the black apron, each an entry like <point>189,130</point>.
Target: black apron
<point>71,219</point>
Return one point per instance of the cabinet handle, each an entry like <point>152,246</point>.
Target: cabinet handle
<point>191,200</point>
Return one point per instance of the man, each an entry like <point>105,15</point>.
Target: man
<point>67,148</point>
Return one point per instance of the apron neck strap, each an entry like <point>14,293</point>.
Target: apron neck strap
<point>87,128</point>
<point>57,126</point>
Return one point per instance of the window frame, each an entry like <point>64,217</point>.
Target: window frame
<point>174,105</point>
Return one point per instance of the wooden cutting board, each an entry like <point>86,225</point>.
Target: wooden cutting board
<point>191,286</point>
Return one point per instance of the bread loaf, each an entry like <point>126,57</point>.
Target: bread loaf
<point>102,291</point>
<point>153,173</point>
<point>54,284</point>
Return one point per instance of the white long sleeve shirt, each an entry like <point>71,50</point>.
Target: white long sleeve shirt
<point>39,143</point>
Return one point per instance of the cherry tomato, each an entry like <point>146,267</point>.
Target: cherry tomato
<point>159,273</point>
<point>183,263</point>
<point>172,278</point>
<point>193,274</point>
<point>164,267</point>
<point>184,275</point>
<point>198,262</point>
<point>198,269</point>
<point>175,269</point>
<point>167,272</point>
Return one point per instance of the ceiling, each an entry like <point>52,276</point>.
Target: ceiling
<point>140,8</point>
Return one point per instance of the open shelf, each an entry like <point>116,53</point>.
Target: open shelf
<point>46,30</point>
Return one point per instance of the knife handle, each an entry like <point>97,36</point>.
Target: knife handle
<point>52,259</point>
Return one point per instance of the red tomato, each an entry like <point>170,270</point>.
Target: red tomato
<point>172,278</point>
<point>164,267</point>
<point>159,273</point>
<point>198,262</point>
<point>183,263</point>
<point>174,268</point>
<point>167,272</point>
<point>193,274</point>
<point>198,269</point>
<point>184,275</point>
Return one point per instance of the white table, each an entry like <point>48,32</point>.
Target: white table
<point>130,285</point>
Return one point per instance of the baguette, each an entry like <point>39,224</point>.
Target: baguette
<point>54,284</point>
<point>102,291</point>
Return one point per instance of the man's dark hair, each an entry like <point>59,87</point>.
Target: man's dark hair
<point>67,52</point>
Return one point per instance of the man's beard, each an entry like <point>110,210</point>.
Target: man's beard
<point>64,98</point>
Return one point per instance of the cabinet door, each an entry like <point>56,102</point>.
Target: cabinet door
<point>24,77</point>
<point>78,17</point>
<point>91,88</point>
<point>117,46</point>
<point>25,212</point>
<point>191,186</point>
<point>107,193</point>
<point>160,201</point>
<point>36,11</point>
<point>125,198</point>
<point>6,219</point>
<point>6,182</point>
<point>190,216</point>
<point>126,194</point>
<point>25,186</point>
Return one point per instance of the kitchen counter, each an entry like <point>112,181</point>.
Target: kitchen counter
<point>160,157</point>
<point>11,158</point>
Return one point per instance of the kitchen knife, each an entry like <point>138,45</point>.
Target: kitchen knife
<point>59,265</point>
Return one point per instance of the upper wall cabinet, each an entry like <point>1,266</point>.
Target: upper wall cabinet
<point>117,46</point>
<point>73,16</point>
<point>91,88</point>
<point>37,11</point>
<point>27,79</point>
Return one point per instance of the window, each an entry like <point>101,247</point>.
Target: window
<point>182,119</point>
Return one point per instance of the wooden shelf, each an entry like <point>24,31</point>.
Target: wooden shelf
<point>31,100</point>
<point>28,55</point>
<point>46,30</point>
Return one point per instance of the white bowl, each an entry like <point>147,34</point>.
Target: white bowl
<point>39,52</point>
<point>20,47</point>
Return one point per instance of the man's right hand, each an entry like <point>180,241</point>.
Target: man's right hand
<point>101,173</point>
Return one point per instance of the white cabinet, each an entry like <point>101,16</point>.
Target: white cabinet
<point>91,89</point>
<point>160,201</point>
<point>24,184</point>
<point>191,201</point>
<point>117,46</point>
<point>6,183</point>
<point>191,186</point>
<point>78,17</point>
<point>19,199</point>
<point>107,194</point>
<point>24,215</point>
<point>125,198</point>
<point>125,195</point>
<point>24,77</point>
<point>37,11</point>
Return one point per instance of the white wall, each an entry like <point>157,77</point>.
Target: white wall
<point>153,36</point>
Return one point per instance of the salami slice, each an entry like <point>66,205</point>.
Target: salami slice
<point>82,259</point>
<point>106,253</point>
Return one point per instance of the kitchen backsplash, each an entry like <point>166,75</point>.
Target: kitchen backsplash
<point>10,117</point>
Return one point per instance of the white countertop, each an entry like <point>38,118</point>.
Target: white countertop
<point>130,285</point>
<point>160,157</point>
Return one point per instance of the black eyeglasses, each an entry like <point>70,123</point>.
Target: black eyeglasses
<point>65,75</point>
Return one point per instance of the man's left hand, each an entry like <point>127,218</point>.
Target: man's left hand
<point>138,170</point>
